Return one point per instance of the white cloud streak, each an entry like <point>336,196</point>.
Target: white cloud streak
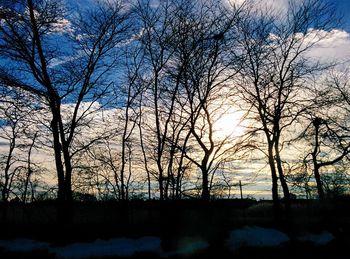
<point>331,46</point>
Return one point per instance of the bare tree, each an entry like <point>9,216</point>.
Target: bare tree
<point>74,73</point>
<point>18,123</point>
<point>130,94</point>
<point>142,146</point>
<point>30,169</point>
<point>156,41</point>
<point>328,132</point>
<point>184,47</point>
<point>12,128</point>
<point>205,67</point>
<point>274,78</point>
<point>325,135</point>
<point>106,172</point>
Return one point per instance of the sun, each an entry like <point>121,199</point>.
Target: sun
<point>229,124</point>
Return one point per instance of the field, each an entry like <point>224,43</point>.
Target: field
<point>182,229</point>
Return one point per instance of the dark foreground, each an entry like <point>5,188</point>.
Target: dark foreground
<point>176,223</point>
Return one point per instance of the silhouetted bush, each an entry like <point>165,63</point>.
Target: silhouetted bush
<point>84,197</point>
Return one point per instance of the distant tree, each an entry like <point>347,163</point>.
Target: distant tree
<point>11,128</point>
<point>336,183</point>
<point>104,171</point>
<point>30,169</point>
<point>15,116</point>
<point>83,197</point>
<point>299,181</point>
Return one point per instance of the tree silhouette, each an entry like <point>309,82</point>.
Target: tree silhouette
<point>29,38</point>
<point>276,69</point>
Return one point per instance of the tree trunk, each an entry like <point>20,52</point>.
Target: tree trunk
<point>205,181</point>
<point>123,158</point>
<point>170,176</point>
<point>58,159</point>
<point>281,174</point>
<point>160,181</point>
<point>56,123</point>
<point>145,158</point>
<point>273,177</point>
<point>65,145</point>
<point>29,169</point>
<point>319,184</point>
<point>205,188</point>
<point>68,176</point>
<point>5,188</point>
<point>317,123</point>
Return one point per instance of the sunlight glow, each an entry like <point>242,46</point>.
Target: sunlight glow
<point>229,125</point>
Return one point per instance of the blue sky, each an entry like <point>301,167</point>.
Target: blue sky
<point>344,8</point>
<point>343,5</point>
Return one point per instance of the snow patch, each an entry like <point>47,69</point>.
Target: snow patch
<point>115,247</point>
<point>23,245</point>
<point>193,247</point>
<point>188,246</point>
<point>317,239</point>
<point>255,237</point>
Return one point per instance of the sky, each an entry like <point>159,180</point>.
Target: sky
<point>336,46</point>
<point>344,8</point>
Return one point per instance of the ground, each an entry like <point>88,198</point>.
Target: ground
<point>183,229</point>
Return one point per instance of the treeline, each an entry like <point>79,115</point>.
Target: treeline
<point>127,99</point>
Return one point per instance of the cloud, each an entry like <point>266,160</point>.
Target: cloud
<point>61,26</point>
<point>64,59</point>
<point>331,46</point>
<point>277,5</point>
